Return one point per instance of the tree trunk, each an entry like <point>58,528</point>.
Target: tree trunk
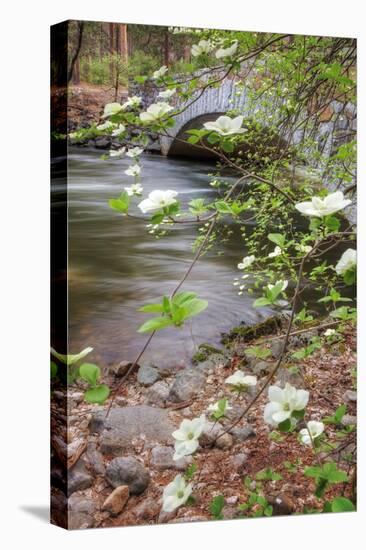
<point>166,47</point>
<point>111,50</point>
<point>123,42</point>
<point>76,72</point>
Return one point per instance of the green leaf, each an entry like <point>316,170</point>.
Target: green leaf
<point>342,504</point>
<point>182,297</point>
<point>332,223</point>
<point>193,140</point>
<point>157,218</point>
<point>194,307</point>
<point>71,359</point>
<point>157,323</point>
<point>277,238</point>
<point>260,302</point>
<point>216,506</point>
<point>190,471</point>
<point>98,394</point>
<point>227,146</point>
<point>349,276</point>
<point>223,207</point>
<point>285,426</point>
<point>53,370</point>
<point>152,308</point>
<point>90,373</point>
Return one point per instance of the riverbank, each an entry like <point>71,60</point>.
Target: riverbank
<point>133,447</point>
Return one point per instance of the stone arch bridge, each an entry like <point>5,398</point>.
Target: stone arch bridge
<point>337,123</point>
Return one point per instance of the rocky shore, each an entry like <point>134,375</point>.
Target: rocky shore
<point>115,467</point>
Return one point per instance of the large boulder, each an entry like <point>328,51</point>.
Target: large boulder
<point>129,471</point>
<point>125,425</point>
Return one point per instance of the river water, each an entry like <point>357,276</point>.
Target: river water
<point>115,265</point>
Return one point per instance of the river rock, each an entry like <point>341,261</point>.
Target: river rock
<point>82,504</point>
<point>158,394</point>
<point>162,459</point>
<point>117,500</point>
<point>187,384</point>
<point>277,348</point>
<point>242,433</point>
<point>79,520</point>
<point>95,459</point>
<point>350,396</point>
<point>147,376</point>
<point>261,367</point>
<point>102,142</point>
<point>129,471</point>
<point>78,479</point>
<point>120,370</point>
<point>125,425</point>
<point>147,509</point>
<point>238,461</point>
<point>349,420</point>
<point>210,434</point>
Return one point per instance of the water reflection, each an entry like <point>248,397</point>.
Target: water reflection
<point>115,265</point>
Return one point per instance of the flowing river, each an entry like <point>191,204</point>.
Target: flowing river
<point>115,265</point>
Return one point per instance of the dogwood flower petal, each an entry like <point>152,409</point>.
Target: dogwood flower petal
<point>176,493</point>
<point>157,200</point>
<point>320,207</point>
<point>227,52</point>
<point>347,261</point>
<point>225,125</point>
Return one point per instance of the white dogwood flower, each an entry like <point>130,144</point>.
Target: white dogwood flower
<point>246,262</point>
<point>304,248</point>
<point>347,261</point>
<point>111,109</point>
<point>315,428</point>
<point>157,200</point>
<point>118,153</point>
<point>155,112</point>
<point>119,130</point>
<point>134,152</point>
<point>203,46</point>
<point>241,381</point>
<point>134,189</point>
<point>277,252</point>
<point>167,94</point>
<point>186,437</point>
<point>283,402</point>
<point>330,332</point>
<point>106,125</point>
<point>160,72</point>
<point>176,493</point>
<point>133,170</point>
<point>227,52</point>
<point>226,126</point>
<point>132,102</point>
<point>320,207</point>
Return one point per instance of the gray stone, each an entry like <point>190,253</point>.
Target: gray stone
<point>162,458</point>
<point>242,433</point>
<point>78,479</point>
<point>349,420</point>
<point>229,512</point>
<point>120,369</point>
<point>262,367</point>
<point>128,471</point>
<point>81,504</point>
<point>232,500</point>
<point>187,384</point>
<point>210,434</point>
<point>158,394</point>
<point>147,509</point>
<point>95,459</point>
<point>147,376</point>
<point>117,500</point>
<point>102,142</point>
<point>124,425</point>
<point>224,442</point>
<point>79,520</point>
<point>238,461</point>
<point>350,396</point>
<point>187,519</point>
<point>276,348</point>
<point>166,517</point>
